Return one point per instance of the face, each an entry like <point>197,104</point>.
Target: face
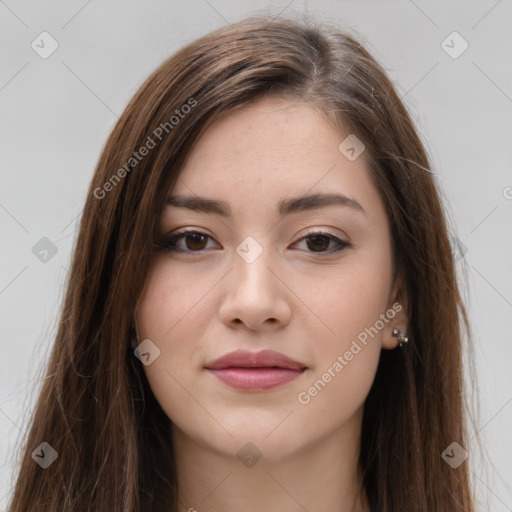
<point>311,280</point>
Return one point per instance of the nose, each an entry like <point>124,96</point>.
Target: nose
<point>255,295</point>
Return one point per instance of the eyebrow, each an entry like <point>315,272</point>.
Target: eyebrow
<point>285,206</point>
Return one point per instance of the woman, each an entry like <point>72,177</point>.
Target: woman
<point>262,311</point>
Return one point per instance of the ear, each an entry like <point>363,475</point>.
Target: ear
<point>398,314</point>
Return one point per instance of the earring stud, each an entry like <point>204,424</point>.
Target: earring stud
<point>402,338</point>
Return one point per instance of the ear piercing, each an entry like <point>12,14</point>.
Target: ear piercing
<point>402,338</point>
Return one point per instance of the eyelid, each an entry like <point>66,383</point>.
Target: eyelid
<point>323,231</point>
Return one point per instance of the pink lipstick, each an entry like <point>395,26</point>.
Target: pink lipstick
<point>255,371</point>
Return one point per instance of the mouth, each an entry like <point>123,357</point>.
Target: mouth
<point>249,371</point>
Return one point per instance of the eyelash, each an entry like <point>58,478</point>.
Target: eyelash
<point>169,242</point>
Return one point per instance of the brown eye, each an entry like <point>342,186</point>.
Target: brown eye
<point>319,243</point>
<point>194,241</point>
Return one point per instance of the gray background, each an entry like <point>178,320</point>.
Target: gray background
<point>57,113</point>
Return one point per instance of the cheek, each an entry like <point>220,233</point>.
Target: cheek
<point>350,301</point>
<point>170,300</point>
<point>162,317</point>
<point>347,353</point>
<point>348,344</point>
<point>333,398</point>
<point>173,312</point>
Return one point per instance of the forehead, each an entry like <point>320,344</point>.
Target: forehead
<point>272,149</point>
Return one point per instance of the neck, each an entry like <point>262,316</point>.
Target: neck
<point>321,477</point>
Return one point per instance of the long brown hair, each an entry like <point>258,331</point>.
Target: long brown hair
<point>95,407</point>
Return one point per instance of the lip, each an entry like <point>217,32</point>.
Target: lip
<point>255,371</point>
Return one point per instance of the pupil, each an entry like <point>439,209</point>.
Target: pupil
<point>196,239</point>
<point>320,237</point>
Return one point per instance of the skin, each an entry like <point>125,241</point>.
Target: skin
<point>198,306</point>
